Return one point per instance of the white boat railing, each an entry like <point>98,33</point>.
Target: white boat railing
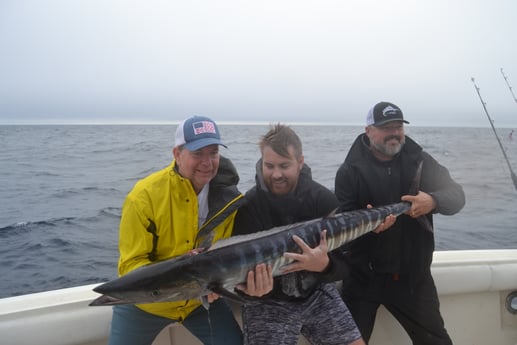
<point>473,287</point>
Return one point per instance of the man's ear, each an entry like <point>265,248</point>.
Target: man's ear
<point>301,160</point>
<point>176,152</point>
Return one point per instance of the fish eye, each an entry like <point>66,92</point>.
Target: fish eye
<point>155,293</point>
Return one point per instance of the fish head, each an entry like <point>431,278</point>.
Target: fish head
<point>150,294</point>
<point>161,282</point>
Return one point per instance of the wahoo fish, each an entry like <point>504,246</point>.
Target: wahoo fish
<point>227,263</point>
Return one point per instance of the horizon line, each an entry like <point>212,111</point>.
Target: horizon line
<point>231,123</point>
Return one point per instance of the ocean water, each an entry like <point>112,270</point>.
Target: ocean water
<point>63,187</point>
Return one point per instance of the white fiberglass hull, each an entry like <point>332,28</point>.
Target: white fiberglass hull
<point>473,287</point>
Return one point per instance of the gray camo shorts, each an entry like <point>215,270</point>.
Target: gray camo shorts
<point>323,319</point>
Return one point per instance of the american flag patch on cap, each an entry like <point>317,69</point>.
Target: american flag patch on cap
<point>203,127</point>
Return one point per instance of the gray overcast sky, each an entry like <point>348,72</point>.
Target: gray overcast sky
<point>69,61</point>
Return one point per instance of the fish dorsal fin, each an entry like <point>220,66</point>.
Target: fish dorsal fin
<point>415,184</point>
<point>413,190</point>
<point>205,236</point>
<point>332,214</point>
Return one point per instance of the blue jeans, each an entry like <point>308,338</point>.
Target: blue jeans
<point>133,326</point>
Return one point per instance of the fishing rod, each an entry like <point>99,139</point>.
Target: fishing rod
<point>512,174</point>
<point>508,83</point>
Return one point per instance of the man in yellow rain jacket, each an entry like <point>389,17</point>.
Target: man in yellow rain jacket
<point>177,210</point>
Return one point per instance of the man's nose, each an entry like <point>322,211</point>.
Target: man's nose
<point>276,173</point>
<point>206,159</point>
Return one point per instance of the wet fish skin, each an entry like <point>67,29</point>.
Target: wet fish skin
<point>228,261</point>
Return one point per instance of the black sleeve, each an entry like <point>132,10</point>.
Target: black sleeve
<point>251,217</point>
<point>345,188</point>
<point>246,221</point>
<point>338,268</point>
<point>448,194</point>
<point>325,202</point>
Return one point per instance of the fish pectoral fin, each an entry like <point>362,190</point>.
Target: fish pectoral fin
<point>227,294</point>
<point>239,296</point>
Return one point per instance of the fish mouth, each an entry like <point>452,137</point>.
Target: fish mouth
<point>107,300</point>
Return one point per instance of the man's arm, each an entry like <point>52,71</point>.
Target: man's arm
<point>445,192</point>
<point>345,189</point>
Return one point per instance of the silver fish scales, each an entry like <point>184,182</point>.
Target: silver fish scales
<point>227,262</point>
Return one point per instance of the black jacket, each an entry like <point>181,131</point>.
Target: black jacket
<point>264,211</point>
<point>224,198</point>
<point>407,247</point>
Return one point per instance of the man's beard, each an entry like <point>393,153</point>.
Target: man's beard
<point>390,150</point>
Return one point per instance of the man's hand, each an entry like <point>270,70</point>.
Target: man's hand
<point>195,251</point>
<point>211,297</point>
<point>387,223</point>
<point>421,204</point>
<point>259,282</point>
<point>311,259</point>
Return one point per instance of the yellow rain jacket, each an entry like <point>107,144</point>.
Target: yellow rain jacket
<point>160,220</point>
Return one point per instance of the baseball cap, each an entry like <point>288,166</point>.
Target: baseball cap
<point>382,113</point>
<point>197,132</point>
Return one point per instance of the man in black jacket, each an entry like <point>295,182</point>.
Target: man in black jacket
<point>393,268</point>
<point>300,301</point>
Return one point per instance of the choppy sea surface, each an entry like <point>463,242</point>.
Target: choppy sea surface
<point>62,188</point>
